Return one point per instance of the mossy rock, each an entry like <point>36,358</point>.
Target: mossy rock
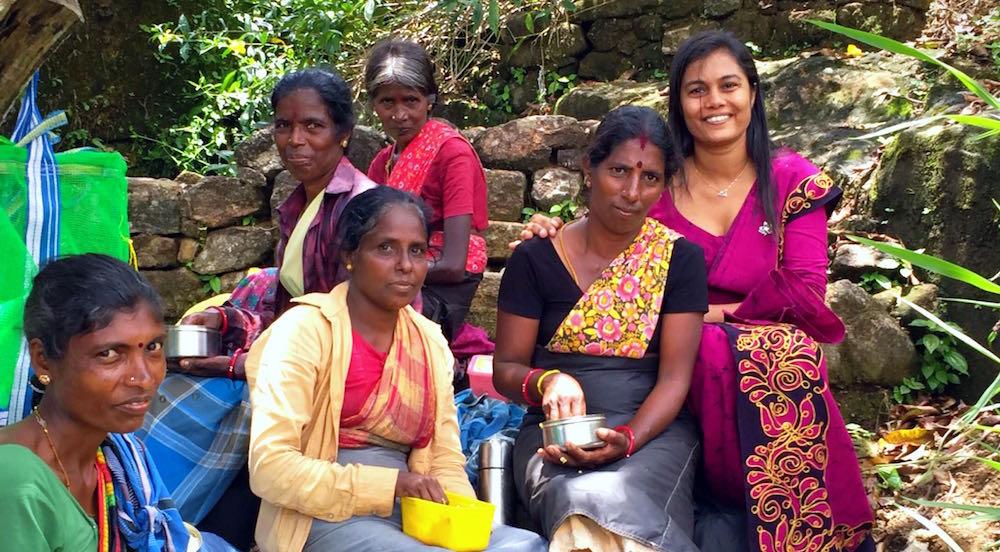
<point>594,100</point>
<point>106,77</point>
<point>935,189</point>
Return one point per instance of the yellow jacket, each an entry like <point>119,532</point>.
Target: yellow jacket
<point>296,372</point>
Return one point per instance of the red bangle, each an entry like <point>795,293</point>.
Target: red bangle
<point>231,371</point>
<point>225,320</point>
<point>631,438</point>
<point>525,390</point>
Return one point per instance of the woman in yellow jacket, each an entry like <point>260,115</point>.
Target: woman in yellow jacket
<point>352,398</point>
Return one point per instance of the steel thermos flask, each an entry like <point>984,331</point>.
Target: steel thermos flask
<point>496,484</point>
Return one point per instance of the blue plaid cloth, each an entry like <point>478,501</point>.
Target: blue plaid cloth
<point>198,429</point>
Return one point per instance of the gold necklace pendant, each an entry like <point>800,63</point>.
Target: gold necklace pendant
<point>45,429</point>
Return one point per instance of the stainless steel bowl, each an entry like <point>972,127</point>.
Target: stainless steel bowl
<point>579,430</point>
<point>191,340</point>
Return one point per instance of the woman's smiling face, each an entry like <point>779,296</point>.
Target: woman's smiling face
<point>716,98</point>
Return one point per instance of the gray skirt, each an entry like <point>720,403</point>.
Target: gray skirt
<point>647,497</point>
<point>378,534</point>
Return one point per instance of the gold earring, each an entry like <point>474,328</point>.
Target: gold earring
<point>343,143</point>
<point>350,267</point>
<point>44,379</point>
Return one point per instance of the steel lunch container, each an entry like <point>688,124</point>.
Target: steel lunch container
<point>191,340</point>
<point>579,430</point>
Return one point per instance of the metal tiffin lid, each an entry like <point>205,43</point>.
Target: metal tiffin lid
<point>495,452</point>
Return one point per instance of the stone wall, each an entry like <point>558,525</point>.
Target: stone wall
<point>191,229</point>
<point>605,40</point>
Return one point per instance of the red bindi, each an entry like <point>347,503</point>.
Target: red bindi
<point>638,164</point>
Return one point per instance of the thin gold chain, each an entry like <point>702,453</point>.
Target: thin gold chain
<point>45,429</point>
<point>562,249</point>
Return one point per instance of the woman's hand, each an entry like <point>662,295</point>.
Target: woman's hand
<point>575,457</point>
<point>209,366</point>
<point>539,225</point>
<point>209,319</point>
<point>562,397</point>
<point>420,486</point>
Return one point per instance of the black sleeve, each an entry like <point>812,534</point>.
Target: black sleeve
<point>687,288</point>
<point>519,293</point>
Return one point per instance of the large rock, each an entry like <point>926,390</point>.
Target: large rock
<point>365,143</point>
<point>851,261</point>
<point>258,153</point>
<point>483,311</point>
<point>876,350</point>
<point>526,144</point>
<point>187,249</point>
<point>498,236</point>
<point>505,194</point>
<point>218,201</point>
<point>648,27</point>
<point>553,185</point>
<point>234,248</point>
<point>676,33</point>
<point>614,35</point>
<point>676,9</point>
<point>819,105</point>
<point>604,66</point>
<point>153,251</point>
<point>595,10</point>
<point>934,189</point>
<point>249,177</point>
<point>594,100</point>
<point>721,8</point>
<point>571,159</point>
<point>922,295</point>
<point>154,206</point>
<point>894,21</point>
<point>284,185</point>
<point>179,288</point>
<point>560,48</point>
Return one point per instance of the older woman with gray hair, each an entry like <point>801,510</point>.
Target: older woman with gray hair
<point>430,159</point>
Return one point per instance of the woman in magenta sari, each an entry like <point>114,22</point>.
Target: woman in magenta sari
<point>773,437</point>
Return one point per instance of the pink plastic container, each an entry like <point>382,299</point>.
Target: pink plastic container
<point>480,372</point>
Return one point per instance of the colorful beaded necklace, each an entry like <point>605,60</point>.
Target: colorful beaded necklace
<point>107,535</point>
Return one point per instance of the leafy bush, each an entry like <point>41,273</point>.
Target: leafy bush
<point>941,363</point>
<point>243,46</point>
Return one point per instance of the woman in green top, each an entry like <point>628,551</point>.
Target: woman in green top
<point>73,479</point>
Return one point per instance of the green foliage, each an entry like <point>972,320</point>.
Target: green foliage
<point>557,85</point>
<point>242,48</point>
<point>874,282</point>
<point>210,283</point>
<point>888,478</point>
<point>565,210</point>
<point>941,364</point>
<point>932,263</point>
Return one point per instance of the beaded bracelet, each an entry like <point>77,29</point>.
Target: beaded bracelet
<point>224,325</point>
<point>524,388</point>
<point>538,382</point>
<point>631,438</point>
<point>231,371</point>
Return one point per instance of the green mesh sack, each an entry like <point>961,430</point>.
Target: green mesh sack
<point>93,218</point>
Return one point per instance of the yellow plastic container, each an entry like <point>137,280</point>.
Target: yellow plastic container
<point>463,525</point>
